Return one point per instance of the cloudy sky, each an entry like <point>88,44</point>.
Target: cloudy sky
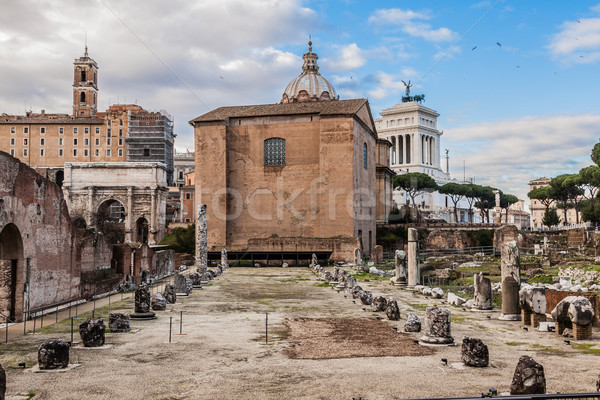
<point>516,82</point>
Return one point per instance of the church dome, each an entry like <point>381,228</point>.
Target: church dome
<point>310,85</point>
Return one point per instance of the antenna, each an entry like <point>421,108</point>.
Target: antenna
<point>86,53</point>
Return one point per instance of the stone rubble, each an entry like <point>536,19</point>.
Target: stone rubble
<point>528,378</point>
<point>92,332</point>
<point>158,302</point>
<point>474,353</point>
<point>412,324</point>
<point>118,322</point>
<point>54,354</point>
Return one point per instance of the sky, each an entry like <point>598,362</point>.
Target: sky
<point>515,82</point>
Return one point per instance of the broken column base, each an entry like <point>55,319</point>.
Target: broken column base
<point>525,317</point>
<point>437,341</point>
<point>536,319</point>
<point>582,332</point>
<point>509,317</point>
<point>142,315</point>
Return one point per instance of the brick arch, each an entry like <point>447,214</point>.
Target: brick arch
<point>12,266</point>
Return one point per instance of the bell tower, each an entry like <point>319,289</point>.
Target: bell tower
<point>85,87</point>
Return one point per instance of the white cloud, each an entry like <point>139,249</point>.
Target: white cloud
<point>410,22</point>
<point>508,154</point>
<point>385,85</point>
<point>347,57</point>
<point>578,41</point>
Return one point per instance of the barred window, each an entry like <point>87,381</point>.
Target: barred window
<point>275,151</point>
<point>365,155</point>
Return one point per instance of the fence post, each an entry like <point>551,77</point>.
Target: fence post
<point>6,328</point>
<point>71,329</point>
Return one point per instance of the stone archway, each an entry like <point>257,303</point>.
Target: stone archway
<point>60,177</point>
<point>141,230</point>
<point>11,273</point>
<point>110,220</point>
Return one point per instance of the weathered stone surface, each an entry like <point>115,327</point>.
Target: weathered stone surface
<point>2,383</point>
<point>581,311</point>
<point>189,285</point>
<point>358,261</point>
<point>377,254</point>
<point>224,261</point>
<point>392,311</point>
<point>510,274</point>
<point>54,354</point>
<point>356,292</point>
<point>437,293</point>
<point>474,353</point>
<point>412,324</point>
<point>92,332</point>
<point>400,265</point>
<point>201,240</point>
<point>181,286</point>
<point>455,300</point>
<point>529,377</point>
<point>412,257</point>
<point>170,295</point>
<point>437,326</point>
<point>366,297</point>
<point>142,300</point>
<point>379,303</point>
<point>483,292</point>
<point>159,303</point>
<point>118,322</point>
<point>196,279</point>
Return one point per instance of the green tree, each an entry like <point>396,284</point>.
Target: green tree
<point>470,196</point>
<point>543,194</point>
<point>566,191</point>
<point>590,181</point>
<point>550,217</point>
<point>415,184</point>
<point>590,210</point>
<point>485,200</point>
<point>182,240</point>
<point>455,191</point>
<point>506,200</point>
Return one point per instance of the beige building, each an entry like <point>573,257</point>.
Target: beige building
<point>127,132</point>
<point>292,178</point>
<point>537,209</point>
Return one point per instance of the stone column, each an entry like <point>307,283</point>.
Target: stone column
<point>483,293</point>
<point>511,281</point>
<point>129,219</point>
<point>201,240</point>
<point>153,217</point>
<point>437,327</point>
<point>400,264</point>
<point>413,262</point>
<point>91,223</point>
<point>224,261</point>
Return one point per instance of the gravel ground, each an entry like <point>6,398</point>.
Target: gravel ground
<point>223,354</point>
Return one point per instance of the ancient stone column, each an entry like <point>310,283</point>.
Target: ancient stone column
<point>129,217</point>
<point>181,285</point>
<point>510,270</point>
<point>413,262</point>
<point>358,262</point>
<point>142,304</point>
<point>224,261</point>
<point>483,293</point>
<point>91,223</point>
<point>437,327</point>
<point>400,263</point>
<point>377,254</point>
<point>201,240</point>
<point>153,217</point>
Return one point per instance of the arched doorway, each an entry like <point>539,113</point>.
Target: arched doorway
<point>110,220</point>
<point>141,230</point>
<point>11,271</point>
<point>60,177</point>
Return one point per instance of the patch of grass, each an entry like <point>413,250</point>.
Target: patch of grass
<point>546,279</point>
<point>515,343</point>
<point>418,306</point>
<point>586,348</point>
<point>323,284</point>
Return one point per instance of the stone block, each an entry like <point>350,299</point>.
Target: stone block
<point>54,354</point>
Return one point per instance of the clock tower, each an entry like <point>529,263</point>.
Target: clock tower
<point>85,87</point>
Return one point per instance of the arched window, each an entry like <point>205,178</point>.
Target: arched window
<point>365,155</point>
<point>275,151</point>
<point>82,97</point>
<point>83,76</point>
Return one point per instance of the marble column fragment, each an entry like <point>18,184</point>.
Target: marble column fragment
<point>510,270</point>
<point>413,262</point>
<point>201,240</point>
<point>483,293</point>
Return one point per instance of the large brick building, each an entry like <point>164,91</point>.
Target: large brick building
<point>291,178</point>
<point>127,132</point>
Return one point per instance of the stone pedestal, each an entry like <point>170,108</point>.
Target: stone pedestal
<point>536,319</point>
<point>582,332</point>
<point>92,332</point>
<point>511,281</point>
<point>413,261</point>
<point>483,293</point>
<point>525,317</point>
<point>400,264</point>
<point>437,327</point>
<point>54,354</point>
<point>181,287</point>
<point>142,305</point>
<point>118,322</point>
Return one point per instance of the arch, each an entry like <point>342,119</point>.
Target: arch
<point>79,223</point>
<point>60,177</point>
<point>83,76</point>
<point>110,220</point>
<point>11,269</point>
<point>141,230</point>
<point>82,97</point>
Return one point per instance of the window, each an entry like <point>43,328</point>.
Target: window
<point>43,129</point>
<point>86,142</point>
<point>109,122</point>
<point>82,97</point>
<point>121,122</point>
<point>61,130</point>
<point>180,174</point>
<point>25,152</point>
<point>108,132</point>
<point>108,141</point>
<point>42,152</point>
<point>85,152</point>
<point>25,142</point>
<point>26,130</point>
<point>12,152</point>
<point>12,141</point>
<point>188,196</point>
<point>96,152</point>
<point>365,155</point>
<point>146,152</point>
<point>120,132</point>
<point>13,129</point>
<point>97,130</point>
<point>74,152</point>
<point>42,142</point>
<point>107,152</point>
<point>97,141</point>
<point>120,152</point>
<point>120,142</point>
<point>275,151</point>
<point>188,220</point>
<point>74,141</point>
<point>75,131</point>
<point>60,152</point>
<point>86,130</point>
<point>83,76</point>
<point>60,141</point>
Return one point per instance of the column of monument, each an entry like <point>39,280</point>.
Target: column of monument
<point>510,270</point>
<point>201,241</point>
<point>413,262</point>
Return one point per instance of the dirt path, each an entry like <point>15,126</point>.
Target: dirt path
<point>223,354</point>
